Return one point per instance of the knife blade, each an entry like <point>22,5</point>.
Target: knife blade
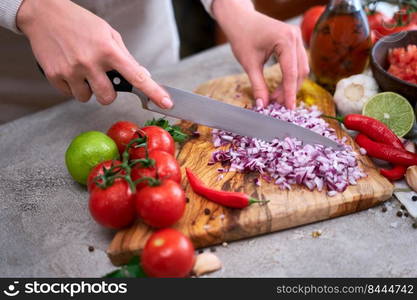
<point>216,114</point>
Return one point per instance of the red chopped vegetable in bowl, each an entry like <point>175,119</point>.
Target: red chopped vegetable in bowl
<point>403,63</point>
<point>288,162</point>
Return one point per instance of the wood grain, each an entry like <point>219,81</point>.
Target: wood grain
<point>207,223</point>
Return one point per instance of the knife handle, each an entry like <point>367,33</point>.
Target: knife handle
<point>120,84</point>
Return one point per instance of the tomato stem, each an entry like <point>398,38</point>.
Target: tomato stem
<point>131,183</point>
<point>144,162</point>
<point>110,175</point>
<point>107,178</point>
<point>151,181</point>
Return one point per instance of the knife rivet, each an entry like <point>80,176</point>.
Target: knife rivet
<point>116,80</point>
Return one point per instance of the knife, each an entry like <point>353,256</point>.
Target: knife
<point>215,114</point>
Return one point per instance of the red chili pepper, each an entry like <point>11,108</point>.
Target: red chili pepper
<point>228,199</point>
<point>371,127</point>
<point>396,173</point>
<point>386,152</point>
<point>379,132</point>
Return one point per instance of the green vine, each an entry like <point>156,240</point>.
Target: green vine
<point>124,170</point>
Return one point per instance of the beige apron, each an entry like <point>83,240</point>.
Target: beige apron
<point>147,27</point>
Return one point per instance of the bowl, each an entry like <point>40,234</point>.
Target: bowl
<point>379,65</point>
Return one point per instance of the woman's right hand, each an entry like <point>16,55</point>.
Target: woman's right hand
<point>74,46</point>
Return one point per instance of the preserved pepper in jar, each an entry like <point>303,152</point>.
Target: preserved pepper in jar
<point>340,43</point>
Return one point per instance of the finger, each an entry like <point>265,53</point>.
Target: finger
<point>80,89</point>
<point>102,87</point>
<point>259,87</point>
<point>119,41</point>
<point>288,62</point>
<point>61,85</point>
<point>302,62</point>
<point>139,77</point>
<point>278,95</point>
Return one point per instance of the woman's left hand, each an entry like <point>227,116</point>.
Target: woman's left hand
<point>254,37</point>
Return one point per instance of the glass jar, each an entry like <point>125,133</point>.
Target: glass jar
<point>340,43</point>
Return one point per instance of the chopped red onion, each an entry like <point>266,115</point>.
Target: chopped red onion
<point>288,162</point>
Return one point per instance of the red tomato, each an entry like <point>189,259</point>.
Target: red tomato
<point>113,207</point>
<point>405,16</point>
<point>161,205</point>
<point>168,254</point>
<point>157,139</point>
<point>375,19</point>
<point>98,170</point>
<point>310,18</point>
<point>138,172</point>
<point>166,167</point>
<point>391,27</point>
<point>122,133</point>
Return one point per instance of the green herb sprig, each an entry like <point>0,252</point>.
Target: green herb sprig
<point>175,131</point>
<point>130,270</point>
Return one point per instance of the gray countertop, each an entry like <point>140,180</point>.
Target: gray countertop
<point>46,228</point>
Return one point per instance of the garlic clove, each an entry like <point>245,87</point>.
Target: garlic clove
<point>206,263</point>
<point>411,177</point>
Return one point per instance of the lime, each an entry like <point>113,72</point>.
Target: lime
<point>86,151</point>
<point>393,110</point>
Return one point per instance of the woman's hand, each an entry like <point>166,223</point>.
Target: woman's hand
<point>74,46</point>
<point>254,38</point>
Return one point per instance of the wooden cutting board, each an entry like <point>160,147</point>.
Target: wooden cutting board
<point>207,223</point>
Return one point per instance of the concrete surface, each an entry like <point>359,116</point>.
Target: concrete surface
<point>46,229</point>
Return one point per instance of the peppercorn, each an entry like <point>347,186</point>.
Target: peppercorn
<point>200,251</point>
<point>195,134</point>
<point>406,214</point>
<point>414,198</point>
<point>384,209</point>
<point>90,248</point>
<point>187,200</point>
<point>212,249</point>
<point>399,214</point>
<point>402,207</point>
<point>207,211</point>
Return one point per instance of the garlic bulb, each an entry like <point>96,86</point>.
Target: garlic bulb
<point>353,92</point>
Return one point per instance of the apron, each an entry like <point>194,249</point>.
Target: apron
<point>148,29</point>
